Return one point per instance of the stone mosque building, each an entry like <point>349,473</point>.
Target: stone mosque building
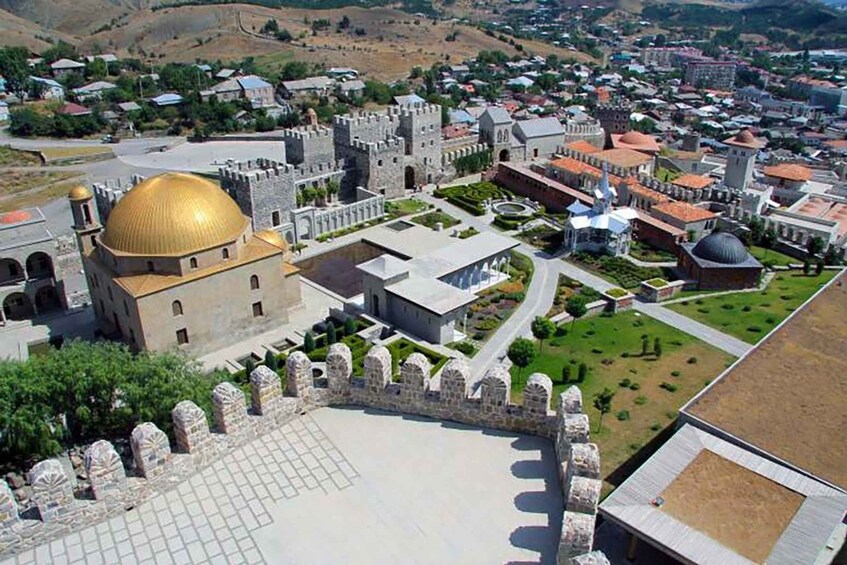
<point>178,266</point>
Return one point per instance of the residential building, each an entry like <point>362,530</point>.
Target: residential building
<point>709,73</point>
<point>64,67</point>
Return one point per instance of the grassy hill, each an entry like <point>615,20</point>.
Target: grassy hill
<point>17,31</point>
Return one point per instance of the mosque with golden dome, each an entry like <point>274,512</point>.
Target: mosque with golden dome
<point>177,265</point>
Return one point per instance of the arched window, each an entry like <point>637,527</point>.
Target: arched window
<point>225,253</point>
<point>193,262</point>
<point>150,266</point>
<point>176,306</point>
<point>254,282</point>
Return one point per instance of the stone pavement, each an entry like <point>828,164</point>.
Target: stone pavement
<point>345,485</point>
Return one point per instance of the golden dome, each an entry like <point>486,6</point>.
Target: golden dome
<point>272,237</point>
<point>79,193</point>
<point>173,214</point>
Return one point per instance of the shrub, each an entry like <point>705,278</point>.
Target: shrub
<point>703,310</point>
<point>487,324</point>
<point>670,387</point>
<point>727,306</point>
<point>675,373</point>
<point>635,386</point>
<point>597,351</point>
<point>464,347</point>
<point>566,374</point>
<point>561,331</point>
<point>641,400</point>
<point>754,329</point>
<point>479,336</point>
<point>625,354</point>
<point>770,320</point>
<point>624,383</point>
<point>746,308</point>
<point>656,427</point>
<point>583,372</point>
<point>623,415</point>
<point>692,360</point>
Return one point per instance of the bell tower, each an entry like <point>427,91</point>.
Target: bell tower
<point>86,223</point>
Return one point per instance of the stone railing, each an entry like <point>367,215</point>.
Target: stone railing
<point>455,397</point>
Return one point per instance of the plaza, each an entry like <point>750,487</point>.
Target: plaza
<point>345,485</point>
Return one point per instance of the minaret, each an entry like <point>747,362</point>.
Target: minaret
<point>604,195</point>
<point>740,159</point>
<point>86,223</point>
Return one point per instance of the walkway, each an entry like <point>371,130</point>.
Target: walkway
<point>648,264</point>
<point>731,345</point>
<point>345,486</point>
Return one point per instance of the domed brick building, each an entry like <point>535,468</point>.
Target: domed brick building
<point>719,261</point>
<point>177,265</point>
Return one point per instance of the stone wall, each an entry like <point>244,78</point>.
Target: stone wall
<point>454,396</point>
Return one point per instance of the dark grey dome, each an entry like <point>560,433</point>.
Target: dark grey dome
<point>721,247</point>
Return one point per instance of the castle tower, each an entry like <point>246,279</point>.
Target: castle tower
<point>86,223</point>
<point>614,118</point>
<point>420,127</point>
<point>741,158</point>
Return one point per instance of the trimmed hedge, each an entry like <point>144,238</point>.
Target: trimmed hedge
<point>470,197</point>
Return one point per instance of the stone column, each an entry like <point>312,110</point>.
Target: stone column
<point>51,489</point>
<point>339,367</point>
<point>584,461</point>
<point>577,535</point>
<point>298,369</point>
<point>8,506</point>
<point>150,449</point>
<point>229,408</point>
<point>494,390</point>
<point>105,470</point>
<point>583,495</point>
<point>377,369</point>
<point>455,381</point>
<point>191,428</point>
<point>536,395</point>
<point>265,390</point>
<point>414,377</point>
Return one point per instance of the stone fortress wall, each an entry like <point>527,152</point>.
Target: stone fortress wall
<point>266,191</point>
<point>454,396</point>
<point>713,193</point>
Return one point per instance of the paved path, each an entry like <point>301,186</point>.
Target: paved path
<point>723,341</point>
<point>641,263</point>
<point>345,486</point>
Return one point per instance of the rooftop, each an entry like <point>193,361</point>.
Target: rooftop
<point>705,500</point>
<point>684,211</point>
<point>582,146</point>
<point>695,182</point>
<point>621,157</point>
<point>635,140</point>
<point>787,396</point>
<point>789,171</point>
<point>539,127</point>
<point>23,227</point>
<point>745,139</point>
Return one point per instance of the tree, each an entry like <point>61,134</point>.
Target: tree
<point>332,188</point>
<point>768,237</point>
<point>814,245</point>
<point>308,343</point>
<point>807,266</point>
<point>603,404</point>
<point>271,361</point>
<point>583,372</point>
<point>249,366</point>
<point>566,374</point>
<point>657,347</point>
<point>14,68</point>
<point>645,346</point>
<point>542,328</point>
<point>330,334</point>
<point>521,353</point>
<point>575,306</point>
<point>349,326</point>
<point>819,267</point>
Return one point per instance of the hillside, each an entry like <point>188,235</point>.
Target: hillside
<point>20,32</point>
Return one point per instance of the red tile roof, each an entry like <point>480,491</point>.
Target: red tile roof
<point>684,211</point>
<point>789,171</point>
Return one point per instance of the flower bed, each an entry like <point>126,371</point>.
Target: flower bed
<point>566,288</point>
<point>437,216</point>
<point>619,270</point>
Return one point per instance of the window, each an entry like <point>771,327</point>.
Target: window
<point>176,306</point>
<point>257,309</point>
<point>225,253</point>
<point>275,218</point>
<point>254,282</point>
<point>86,214</point>
<point>182,336</point>
<point>193,262</point>
<point>93,241</point>
<point>379,163</point>
<point>150,266</point>
<point>394,160</point>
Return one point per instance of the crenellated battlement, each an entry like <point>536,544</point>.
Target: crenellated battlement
<point>422,109</point>
<point>305,133</point>
<point>376,147</point>
<point>454,396</point>
<point>361,119</point>
<point>319,169</point>
<point>238,172</point>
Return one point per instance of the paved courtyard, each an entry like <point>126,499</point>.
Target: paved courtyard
<point>345,486</point>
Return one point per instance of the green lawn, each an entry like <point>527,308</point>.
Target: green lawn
<point>404,207</point>
<point>772,257</point>
<point>751,315</point>
<point>618,270</point>
<point>646,252</point>
<point>431,218</point>
<point>611,349</point>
